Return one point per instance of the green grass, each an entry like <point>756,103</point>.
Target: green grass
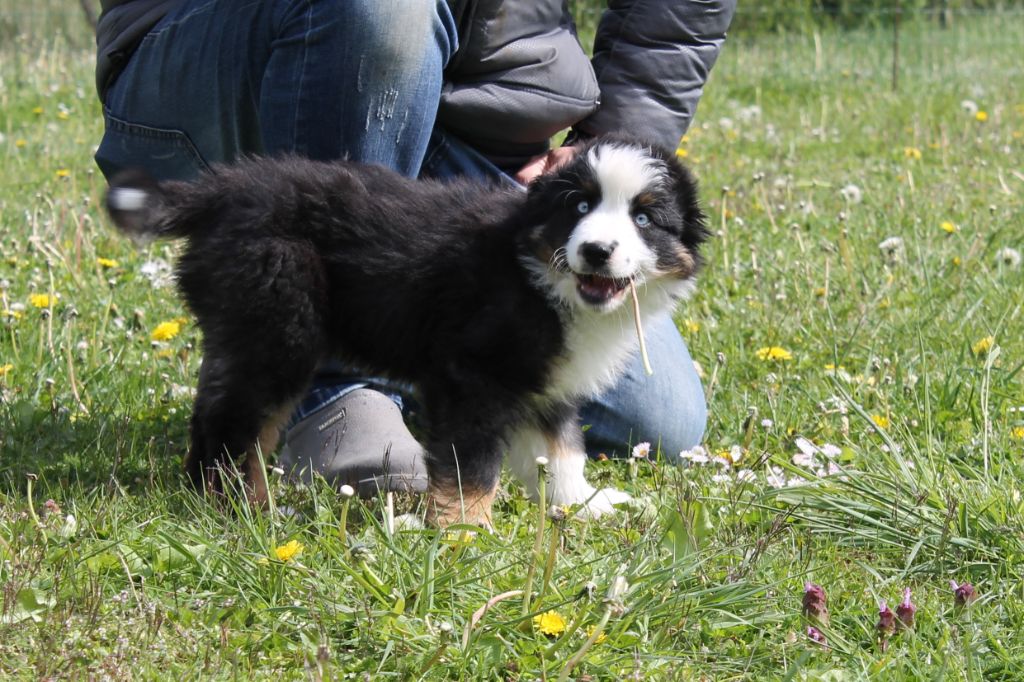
<point>150,582</point>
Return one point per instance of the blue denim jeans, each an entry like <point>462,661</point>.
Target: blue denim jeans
<point>355,79</point>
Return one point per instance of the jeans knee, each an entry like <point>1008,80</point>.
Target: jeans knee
<point>398,34</point>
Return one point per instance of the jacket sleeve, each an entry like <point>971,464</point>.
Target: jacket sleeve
<point>652,58</point>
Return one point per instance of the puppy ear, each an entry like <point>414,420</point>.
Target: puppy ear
<point>695,229</point>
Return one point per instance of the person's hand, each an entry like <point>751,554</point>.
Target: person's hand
<point>545,163</point>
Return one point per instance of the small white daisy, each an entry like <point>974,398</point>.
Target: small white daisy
<point>641,450</point>
<point>776,477</point>
<point>804,460</point>
<point>831,451</point>
<point>746,476</point>
<point>805,446</point>
<point>696,456</point>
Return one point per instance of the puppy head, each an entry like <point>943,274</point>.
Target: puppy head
<point>620,211</point>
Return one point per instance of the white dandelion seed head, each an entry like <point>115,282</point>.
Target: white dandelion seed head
<point>892,249</point>
<point>852,193</point>
<point>969,107</point>
<point>1008,257</point>
<point>541,461</point>
<point>749,114</point>
<point>347,491</point>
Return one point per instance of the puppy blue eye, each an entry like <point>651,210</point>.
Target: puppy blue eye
<point>583,207</point>
<point>642,220</point>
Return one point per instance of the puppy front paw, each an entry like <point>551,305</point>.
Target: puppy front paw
<point>602,502</point>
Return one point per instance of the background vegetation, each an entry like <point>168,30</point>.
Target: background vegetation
<point>860,329</point>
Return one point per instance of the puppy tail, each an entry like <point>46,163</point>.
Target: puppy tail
<point>143,208</point>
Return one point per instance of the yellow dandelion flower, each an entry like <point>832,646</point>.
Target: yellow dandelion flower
<point>820,292</point>
<point>12,314</point>
<point>692,326</point>
<point>912,153</point>
<point>956,261</point>
<point>41,300</point>
<point>1017,135</point>
<point>549,623</point>
<point>165,331</point>
<point>682,153</point>
<point>600,638</point>
<point>63,115</point>
<point>773,353</point>
<point>982,346</point>
<point>1017,433</point>
<point>981,116</point>
<point>37,111</point>
<point>881,420</point>
<point>63,172</point>
<point>4,369</point>
<point>106,262</point>
<point>20,143</point>
<point>288,551</point>
<point>948,227</point>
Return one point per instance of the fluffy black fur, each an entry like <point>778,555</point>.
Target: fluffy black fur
<point>290,261</point>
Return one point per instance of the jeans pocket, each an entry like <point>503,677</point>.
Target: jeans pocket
<point>165,153</point>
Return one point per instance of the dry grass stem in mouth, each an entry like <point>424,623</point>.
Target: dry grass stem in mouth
<point>640,329</point>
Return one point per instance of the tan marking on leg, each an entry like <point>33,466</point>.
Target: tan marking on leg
<point>448,504</point>
<point>253,472</point>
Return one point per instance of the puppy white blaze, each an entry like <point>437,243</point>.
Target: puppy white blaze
<point>127,198</point>
<point>622,173</point>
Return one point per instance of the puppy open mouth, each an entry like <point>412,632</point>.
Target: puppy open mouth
<point>596,289</point>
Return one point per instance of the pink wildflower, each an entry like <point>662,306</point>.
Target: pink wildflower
<point>886,620</point>
<point>906,610</point>
<point>963,594</point>
<point>815,603</point>
<point>815,635</point>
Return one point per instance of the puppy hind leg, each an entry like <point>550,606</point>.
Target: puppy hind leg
<point>238,413</point>
<point>463,461</point>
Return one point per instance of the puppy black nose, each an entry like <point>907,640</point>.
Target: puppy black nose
<point>597,254</point>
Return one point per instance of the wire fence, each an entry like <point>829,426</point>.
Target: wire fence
<point>890,42</point>
<point>896,47</point>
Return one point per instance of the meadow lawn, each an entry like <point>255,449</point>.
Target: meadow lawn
<point>859,325</point>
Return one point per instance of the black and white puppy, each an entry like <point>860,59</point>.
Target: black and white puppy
<point>506,309</point>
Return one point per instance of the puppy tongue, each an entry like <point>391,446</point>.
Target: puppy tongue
<point>597,287</point>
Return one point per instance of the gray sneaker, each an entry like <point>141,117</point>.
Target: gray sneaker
<point>359,440</point>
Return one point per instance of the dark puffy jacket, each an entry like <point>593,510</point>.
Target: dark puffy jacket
<point>520,74</point>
